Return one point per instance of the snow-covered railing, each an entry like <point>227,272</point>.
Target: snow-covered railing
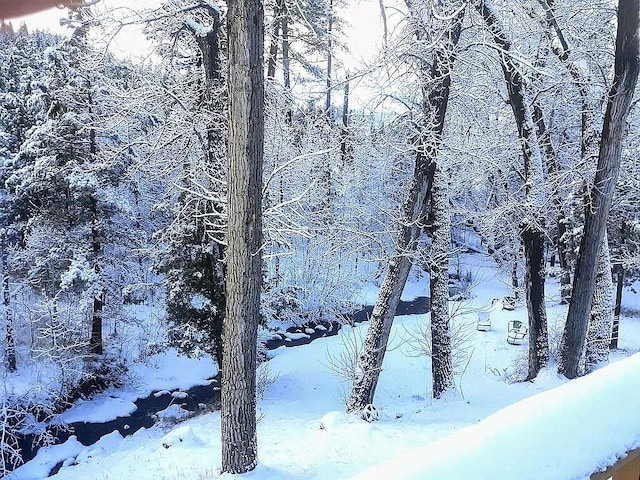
<point>571,432</point>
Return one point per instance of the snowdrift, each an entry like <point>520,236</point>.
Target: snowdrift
<point>565,433</point>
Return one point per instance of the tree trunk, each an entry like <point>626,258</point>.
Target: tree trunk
<point>515,280</point>
<point>6,306</point>
<point>435,101</point>
<point>244,235</point>
<point>552,168</point>
<point>538,336</point>
<point>532,226</point>
<point>597,212</point>
<point>588,145</point>
<point>95,341</point>
<point>327,106</point>
<point>618,306</point>
<point>210,49</point>
<point>565,268</point>
<point>275,39</point>
<point>345,148</point>
<point>599,329</point>
<point>286,68</point>
<point>441,359</point>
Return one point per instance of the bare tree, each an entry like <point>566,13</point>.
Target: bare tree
<point>532,226</point>
<point>597,211</point>
<point>244,235</point>
<point>436,81</point>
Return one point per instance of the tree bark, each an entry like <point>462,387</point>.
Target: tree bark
<point>599,329</point>
<point>532,226</point>
<point>286,63</point>
<point>210,49</point>
<point>552,168</point>
<point>345,148</point>
<point>435,101</point>
<point>538,336</point>
<point>275,39</point>
<point>95,341</point>
<point>441,355</point>
<point>244,235</point>
<point>6,306</point>
<point>597,212</point>
<point>327,107</point>
<point>618,307</point>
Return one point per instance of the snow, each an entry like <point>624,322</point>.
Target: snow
<point>166,371</point>
<point>197,28</point>
<point>295,336</point>
<point>487,429</point>
<point>566,433</point>
<point>71,452</point>
<point>101,409</point>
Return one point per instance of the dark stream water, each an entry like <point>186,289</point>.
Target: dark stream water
<point>145,415</point>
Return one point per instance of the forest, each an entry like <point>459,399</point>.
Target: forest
<point>197,203</point>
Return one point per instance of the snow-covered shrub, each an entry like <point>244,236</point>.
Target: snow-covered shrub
<point>313,288</point>
<point>518,371</point>
<point>283,303</point>
<point>107,372</point>
<point>344,363</point>
<point>59,339</point>
<point>555,328</point>
<point>24,417</point>
<point>265,378</point>
<point>461,331</point>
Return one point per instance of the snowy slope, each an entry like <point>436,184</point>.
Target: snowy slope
<point>568,432</point>
<point>303,432</point>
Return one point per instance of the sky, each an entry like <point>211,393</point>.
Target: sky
<point>128,43</point>
<point>363,35</point>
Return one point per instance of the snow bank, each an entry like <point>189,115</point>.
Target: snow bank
<point>566,433</point>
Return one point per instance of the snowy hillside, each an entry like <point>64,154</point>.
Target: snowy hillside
<point>304,433</point>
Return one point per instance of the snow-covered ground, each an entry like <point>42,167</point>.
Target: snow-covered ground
<point>303,432</point>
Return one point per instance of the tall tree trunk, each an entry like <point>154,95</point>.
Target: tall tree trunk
<point>588,145</point>
<point>618,306</point>
<point>597,212</point>
<point>441,355</point>
<point>345,148</point>
<point>286,41</point>
<point>327,107</point>
<point>515,279</point>
<point>532,228</point>
<point>599,329</point>
<point>95,341</point>
<point>6,305</point>
<point>552,169</point>
<point>538,336</point>
<point>275,39</point>
<point>244,235</point>
<point>435,101</point>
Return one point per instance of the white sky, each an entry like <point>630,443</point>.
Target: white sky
<point>362,35</point>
